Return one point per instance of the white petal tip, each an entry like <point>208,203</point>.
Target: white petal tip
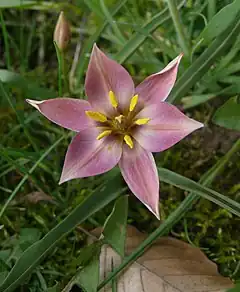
<point>156,214</point>
<point>62,180</point>
<point>34,103</point>
<point>199,125</point>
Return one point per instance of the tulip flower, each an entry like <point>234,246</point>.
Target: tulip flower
<point>120,124</point>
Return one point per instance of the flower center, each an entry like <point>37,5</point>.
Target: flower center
<point>121,126</point>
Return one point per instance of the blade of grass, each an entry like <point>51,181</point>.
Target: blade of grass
<point>20,120</point>
<point>175,216</point>
<point>21,42</point>
<point>31,117</point>
<point>17,3</point>
<point>111,22</point>
<point>36,252</point>
<point>204,62</point>
<point>26,176</point>
<point>138,38</point>
<point>183,42</point>
<point>187,184</point>
<point>29,88</point>
<point>87,47</point>
<point>5,41</point>
<point>29,45</point>
<point>211,9</point>
<point>94,7</point>
<point>60,59</point>
<point>21,169</point>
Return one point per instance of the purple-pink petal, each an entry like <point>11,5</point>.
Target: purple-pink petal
<point>87,156</point>
<point>166,127</point>
<point>66,112</point>
<point>140,173</point>
<point>104,75</point>
<point>157,87</point>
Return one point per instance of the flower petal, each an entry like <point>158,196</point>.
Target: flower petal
<point>157,87</point>
<point>140,173</point>
<point>105,75</point>
<point>87,156</point>
<point>166,127</point>
<point>66,112</point>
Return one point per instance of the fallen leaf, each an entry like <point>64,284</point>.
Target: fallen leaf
<point>36,197</point>
<point>169,265</point>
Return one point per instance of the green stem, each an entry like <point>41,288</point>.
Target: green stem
<point>178,27</point>
<point>60,58</point>
<point>5,40</point>
<point>174,217</point>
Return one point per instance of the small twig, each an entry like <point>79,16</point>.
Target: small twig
<point>79,228</point>
<point>76,54</point>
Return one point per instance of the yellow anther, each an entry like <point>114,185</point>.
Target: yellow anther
<point>96,116</point>
<point>128,141</point>
<point>143,121</point>
<point>133,102</point>
<point>113,99</point>
<point>104,134</point>
<point>119,118</point>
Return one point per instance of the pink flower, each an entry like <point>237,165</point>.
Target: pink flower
<point>120,124</point>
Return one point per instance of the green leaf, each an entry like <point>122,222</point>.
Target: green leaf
<point>87,276</point>
<point>16,3</point>
<point>228,115</point>
<point>217,26</point>
<point>115,226</point>
<point>30,89</point>
<point>3,276</point>
<point>55,288</point>
<point>87,252</point>
<point>94,7</point>
<point>37,252</point>
<point>194,100</point>
<point>189,185</point>
<point>204,62</point>
<point>28,236</point>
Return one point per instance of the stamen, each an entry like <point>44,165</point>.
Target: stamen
<point>133,102</point>
<point>104,134</point>
<point>96,116</point>
<point>128,141</point>
<point>119,118</point>
<point>113,99</point>
<point>143,121</point>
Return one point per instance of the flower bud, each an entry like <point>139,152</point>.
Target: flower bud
<point>62,32</point>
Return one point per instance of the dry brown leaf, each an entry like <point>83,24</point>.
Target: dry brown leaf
<point>36,197</point>
<point>169,265</point>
